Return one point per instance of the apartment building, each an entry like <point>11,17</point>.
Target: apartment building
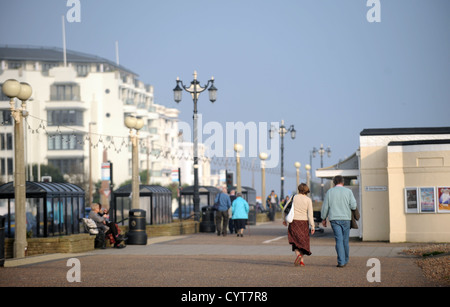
<point>76,115</point>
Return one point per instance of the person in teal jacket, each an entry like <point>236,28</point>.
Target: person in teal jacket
<point>239,210</point>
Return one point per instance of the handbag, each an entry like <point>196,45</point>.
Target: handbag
<point>289,210</point>
<point>217,203</point>
<point>355,217</point>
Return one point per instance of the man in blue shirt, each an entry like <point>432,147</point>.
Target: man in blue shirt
<point>224,203</point>
<point>337,207</point>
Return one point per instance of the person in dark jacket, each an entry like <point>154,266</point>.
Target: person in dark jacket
<point>230,220</point>
<point>224,203</point>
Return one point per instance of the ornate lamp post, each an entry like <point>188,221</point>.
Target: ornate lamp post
<point>297,166</point>
<point>195,89</point>
<point>308,175</point>
<point>131,123</point>
<point>321,152</point>
<point>282,132</point>
<point>263,156</point>
<point>13,89</point>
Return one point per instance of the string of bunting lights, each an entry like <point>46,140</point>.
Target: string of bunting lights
<point>71,135</point>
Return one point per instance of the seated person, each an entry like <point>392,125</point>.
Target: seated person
<point>97,218</point>
<point>107,227</point>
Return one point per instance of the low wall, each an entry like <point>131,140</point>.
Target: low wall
<point>80,243</point>
<point>77,243</point>
<point>172,229</point>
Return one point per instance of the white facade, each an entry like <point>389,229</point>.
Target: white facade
<point>163,145</point>
<point>91,95</point>
<point>186,165</point>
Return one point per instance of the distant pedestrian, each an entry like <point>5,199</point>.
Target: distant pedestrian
<point>230,221</point>
<point>298,231</point>
<point>272,204</point>
<point>284,202</point>
<point>240,210</point>
<point>337,207</point>
<point>224,203</point>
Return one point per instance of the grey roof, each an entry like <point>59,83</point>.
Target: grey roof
<point>42,188</point>
<point>52,54</point>
<point>144,190</point>
<point>201,189</point>
<point>406,131</point>
<point>351,163</point>
<point>419,142</point>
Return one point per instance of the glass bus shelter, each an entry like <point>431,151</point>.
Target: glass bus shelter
<point>154,199</point>
<point>51,208</point>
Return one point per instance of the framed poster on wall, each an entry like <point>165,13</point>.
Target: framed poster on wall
<point>427,200</point>
<point>443,198</point>
<point>411,200</point>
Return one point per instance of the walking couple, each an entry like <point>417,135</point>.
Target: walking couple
<point>337,207</point>
<point>239,213</point>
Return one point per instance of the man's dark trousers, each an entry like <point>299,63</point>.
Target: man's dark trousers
<point>221,222</point>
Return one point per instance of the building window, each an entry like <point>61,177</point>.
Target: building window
<point>3,97</point>
<point>83,70</point>
<point>14,65</point>
<point>65,92</point>
<point>8,168</point>
<point>65,117</point>
<point>68,166</point>
<point>6,141</point>
<point>5,118</point>
<point>47,66</point>
<point>65,141</point>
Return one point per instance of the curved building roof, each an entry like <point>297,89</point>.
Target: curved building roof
<point>52,54</point>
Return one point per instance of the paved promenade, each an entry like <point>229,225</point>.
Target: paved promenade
<point>262,258</point>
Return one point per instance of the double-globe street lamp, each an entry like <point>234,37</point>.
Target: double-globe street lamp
<point>308,175</point>
<point>135,123</point>
<point>321,151</point>
<point>238,148</point>
<point>297,167</point>
<point>282,132</point>
<point>13,89</point>
<point>195,89</point>
<point>263,156</point>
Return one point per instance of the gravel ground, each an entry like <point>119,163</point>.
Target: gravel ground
<point>434,261</point>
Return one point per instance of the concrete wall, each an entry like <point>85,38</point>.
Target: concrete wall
<point>417,166</point>
<point>385,172</point>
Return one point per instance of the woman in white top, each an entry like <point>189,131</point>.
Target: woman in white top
<point>298,230</point>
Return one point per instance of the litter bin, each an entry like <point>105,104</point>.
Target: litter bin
<point>2,240</point>
<point>137,234</point>
<point>207,224</point>
<point>251,215</point>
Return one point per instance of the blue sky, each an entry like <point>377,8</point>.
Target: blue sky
<point>319,65</point>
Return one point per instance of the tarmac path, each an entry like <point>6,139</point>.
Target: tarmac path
<point>262,258</point>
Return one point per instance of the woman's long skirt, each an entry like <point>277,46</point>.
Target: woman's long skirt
<point>298,236</point>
